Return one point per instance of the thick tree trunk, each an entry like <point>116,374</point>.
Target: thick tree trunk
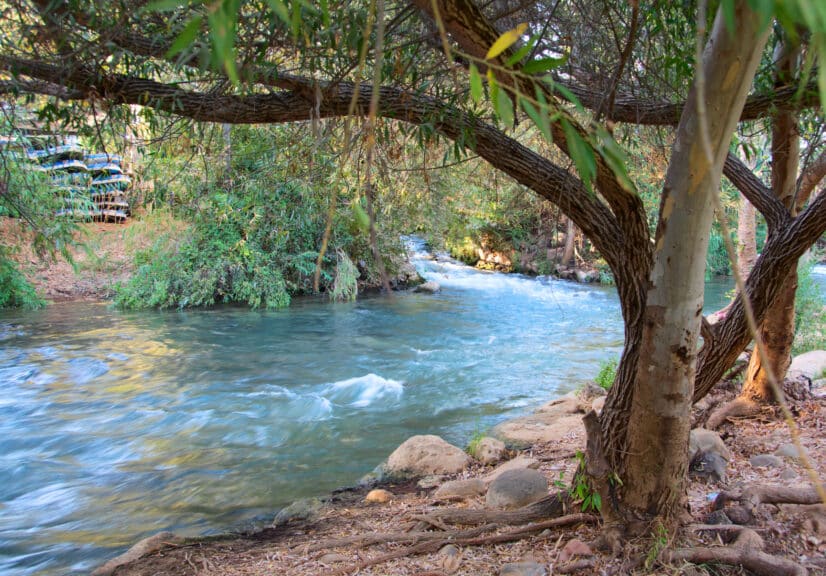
<point>655,460</point>
<point>570,239</point>
<point>777,330</point>
<point>747,237</point>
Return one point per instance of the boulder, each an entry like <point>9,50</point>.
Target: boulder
<point>702,440</point>
<point>516,488</point>
<point>568,404</point>
<point>598,404</point>
<point>142,548</point>
<point>304,509</point>
<point>429,287</point>
<point>765,461</point>
<point>488,450</point>
<point>574,548</point>
<point>523,569</point>
<point>518,463</point>
<point>378,496</point>
<point>460,489</point>
<point>542,427</point>
<point>811,364</point>
<point>591,390</point>
<point>427,454</point>
<point>788,451</point>
<point>709,466</point>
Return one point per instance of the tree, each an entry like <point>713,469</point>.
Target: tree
<point>299,63</point>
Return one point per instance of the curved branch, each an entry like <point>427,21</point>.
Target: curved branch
<point>781,252</point>
<point>756,192</point>
<point>810,178</point>
<point>38,87</point>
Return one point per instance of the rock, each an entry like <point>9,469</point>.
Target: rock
<point>460,490</point>
<point>788,474</point>
<point>708,465</point>
<point>429,287</point>
<point>430,481</point>
<point>573,549</point>
<point>142,548</point>
<point>568,404</point>
<point>378,496</point>
<point>304,509</point>
<point>427,454</point>
<point>333,558</point>
<point>702,440</point>
<point>788,451</point>
<point>586,276</point>
<point>738,514</point>
<point>516,488</point>
<point>541,427</point>
<point>488,450</point>
<point>765,461</point>
<point>450,558</point>
<point>523,569</point>
<point>717,517</point>
<point>598,404</point>
<point>811,364</point>
<point>518,463</point>
<point>591,390</point>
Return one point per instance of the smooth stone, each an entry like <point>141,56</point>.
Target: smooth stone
<point>516,488</point>
<point>460,489</point>
<point>428,287</point>
<point>708,465</point>
<point>428,482</point>
<point>489,450</point>
<point>304,509</point>
<point>788,474</point>
<point>332,558</point>
<point>766,461</point>
<point>142,548</point>
<point>523,569</point>
<point>542,427</point>
<point>591,390</point>
<point>378,496</point>
<point>517,463</point>
<point>702,440</point>
<point>788,451</point>
<point>598,404</point>
<point>426,454</point>
<point>574,548</point>
<point>811,364</point>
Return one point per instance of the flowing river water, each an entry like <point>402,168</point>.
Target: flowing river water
<point>115,425</point>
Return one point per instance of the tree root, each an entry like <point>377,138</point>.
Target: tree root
<point>550,506</point>
<point>745,551</point>
<point>374,538</point>
<point>464,538</point>
<point>737,407</point>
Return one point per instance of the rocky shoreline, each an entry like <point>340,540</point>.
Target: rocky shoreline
<point>511,472</point>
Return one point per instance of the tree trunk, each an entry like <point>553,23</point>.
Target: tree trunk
<point>655,460</point>
<point>570,239</point>
<point>777,330</point>
<point>747,237</point>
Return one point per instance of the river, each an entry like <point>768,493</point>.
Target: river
<point>115,425</point>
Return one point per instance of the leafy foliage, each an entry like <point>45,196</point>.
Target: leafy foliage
<point>810,314</point>
<point>607,373</point>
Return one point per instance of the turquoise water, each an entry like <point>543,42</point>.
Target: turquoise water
<point>116,425</point>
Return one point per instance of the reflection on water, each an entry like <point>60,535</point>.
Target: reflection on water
<point>116,425</point>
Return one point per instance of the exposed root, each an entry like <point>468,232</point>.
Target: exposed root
<point>738,407</point>
<point>374,538</point>
<point>463,539</point>
<point>548,507</point>
<point>752,496</point>
<point>745,551</point>
<point>575,566</point>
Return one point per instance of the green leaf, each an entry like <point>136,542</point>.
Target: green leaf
<point>539,117</point>
<point>163,5</point>
<point>569,96</point>
<point>280,10</point>
<point>543,65</point>
<point>476,91</point>
<point>186,37</point>
<point>614,156</point>
<point>295,21</point>
<point>504,109</point>
<point>522,52</point>
<point>581,153</point>
<point>325,12</point>
<point>505,41</point>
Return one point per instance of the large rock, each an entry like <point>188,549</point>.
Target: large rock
<point>142,548</point>
<point>516,488</point>
<point>460,489</point>
<point>708,441</point>
<point>428,287</point>
<point>523,569</point>
<point>765,461</point>
<point>518,463</point>
<point>488,450</point>
<point>811,364</point>
<point>423,455</point>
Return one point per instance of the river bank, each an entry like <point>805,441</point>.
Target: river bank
<point>410,528</point>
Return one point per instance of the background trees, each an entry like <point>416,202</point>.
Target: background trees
<point>585,75</point>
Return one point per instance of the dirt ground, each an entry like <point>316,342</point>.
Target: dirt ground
<point>391,539</point>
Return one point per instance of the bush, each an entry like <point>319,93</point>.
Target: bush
<point>15,290</point>
<point>810,316</point>
<point>607,373</point>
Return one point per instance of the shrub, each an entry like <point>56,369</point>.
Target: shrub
<point>607,373</point>
<point>810,316</point>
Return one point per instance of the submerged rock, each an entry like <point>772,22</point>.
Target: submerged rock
<point>304,509</point>
<point>426,454</point>
<point>142,548</point>
<point>516,488</point>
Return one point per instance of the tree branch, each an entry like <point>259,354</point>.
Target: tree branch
<point>756,192</point>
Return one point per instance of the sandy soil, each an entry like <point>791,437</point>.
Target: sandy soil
<point>304,548</point>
